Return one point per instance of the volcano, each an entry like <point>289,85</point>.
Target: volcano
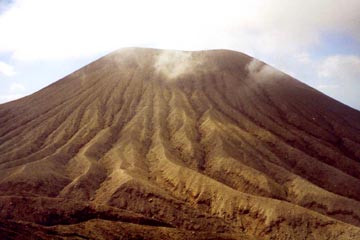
<point>162,144</point>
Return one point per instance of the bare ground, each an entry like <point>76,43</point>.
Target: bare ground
<point>151,144</point>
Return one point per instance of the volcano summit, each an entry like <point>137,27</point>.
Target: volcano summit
<point>157,144</point>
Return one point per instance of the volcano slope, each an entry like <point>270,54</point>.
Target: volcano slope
<point>156,144</point>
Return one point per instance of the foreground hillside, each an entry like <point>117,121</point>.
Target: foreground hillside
<point>155,144</point>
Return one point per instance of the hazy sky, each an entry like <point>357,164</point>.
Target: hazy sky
<point>315,41</point>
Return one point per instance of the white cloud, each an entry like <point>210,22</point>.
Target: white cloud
<point>303,57</point>
<point>6,69</point>
<point>261,73</point>
<point>175,63</point>
<point>339,77</point>
<point>325,87</point>
<point>343,68</point>
<point>41,29</point>
<point>16,88</point>
<point>9,97</point>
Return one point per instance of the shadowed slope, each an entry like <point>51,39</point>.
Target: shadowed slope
<point>211,141</point>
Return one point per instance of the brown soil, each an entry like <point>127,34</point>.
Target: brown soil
<point>155,144</point>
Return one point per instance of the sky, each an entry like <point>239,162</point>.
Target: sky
<point>317,42</point>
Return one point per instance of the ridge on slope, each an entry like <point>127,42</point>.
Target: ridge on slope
<point>208,141</point>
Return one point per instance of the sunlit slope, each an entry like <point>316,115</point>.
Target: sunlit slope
<point>175,142</point>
